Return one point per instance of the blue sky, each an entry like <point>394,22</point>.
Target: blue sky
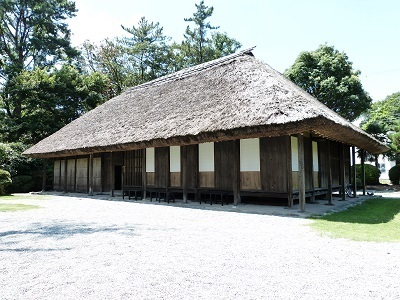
<point>366,30</point>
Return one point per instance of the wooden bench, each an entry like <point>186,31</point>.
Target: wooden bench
<point>214,194</point>
<point>129,190</point>
<point>161,193</point>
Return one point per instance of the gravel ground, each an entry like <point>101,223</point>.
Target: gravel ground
<point>76,248</point>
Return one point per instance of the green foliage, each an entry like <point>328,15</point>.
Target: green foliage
<point>372,174</point>
<point>51,99</point>
<point>5,181</point>
<point>328,75</point>
<point>394,174</point>
<point>26,173</point>
<point>382,122</point>
<point>197,46</point>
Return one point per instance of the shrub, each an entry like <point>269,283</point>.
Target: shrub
<point>22,184</point>
<point>394,174</point>
<point>5,180</point>
<point>372,174</point>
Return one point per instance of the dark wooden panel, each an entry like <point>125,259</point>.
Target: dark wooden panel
<point>133,162</point>
<point>162,166</point>
<point>273,166</point>
<point>191,166</point>
<point>308,162</point>
<point>323,163</point>
<point>224,158</point>
<point>335,163</point>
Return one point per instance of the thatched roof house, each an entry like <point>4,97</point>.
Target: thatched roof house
<point>232,97</point>
<point>232,124</point>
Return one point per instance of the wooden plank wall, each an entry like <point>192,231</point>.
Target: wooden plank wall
<point>71,175</point>
<point>62,167</point>
<point>82,175</point>
<point>224,158</point>
<point>192,165</point>
<point>106,172</point>
<point>273,157</point>
<point>97,186</point>
<point>133,167</point>
<point>162,178</point>
<point>323,164</point>
<point>56,168</point>
<point>335,163</point>
<point>308,162</point>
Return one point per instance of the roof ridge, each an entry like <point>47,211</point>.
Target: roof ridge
<point>190,70</point>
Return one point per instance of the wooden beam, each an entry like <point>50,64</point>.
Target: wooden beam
<point>354,181</point>
<point>44,175</point>
<point>144,174</point>
<point>330,190</point>
<point>90,174</point>
<point>312,200</point>
<point>184,172</point>
<point>342,168</point>
<point>363,170</point>
<point>301,174</point>
<point>236,173</point>
<point>112,179</point>
<point>65,175</point>
<point>289,170</point>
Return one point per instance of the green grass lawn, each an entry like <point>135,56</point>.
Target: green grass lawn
<point>375,220</point>
<point>14,207</point>
<point>4,206</point>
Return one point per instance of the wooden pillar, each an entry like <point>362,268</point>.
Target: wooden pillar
<point>44,175</point>
<point>354,181</point>
<point>363,171</point>
<point>65,175</point>
<point>312,200</point>
<point>289,171</point>
<point>59,177</point>
<point>342,172</point>
<point>91,174</point>
<point>75,173</point>
<point>330,191</point>
<point>184,173</point>
<point>144,174</point>
<point>112,179</point>
<point>236,173</point>
<point>302,181</point>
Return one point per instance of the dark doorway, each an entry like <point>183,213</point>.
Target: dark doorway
<point>118,178</point>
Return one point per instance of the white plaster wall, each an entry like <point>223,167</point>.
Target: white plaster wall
<point>150,164</point>
<point>175,159</point>
<point>249,155</point>
<point>206,157</point>
<point>315,156</point>
<point>295,154</point>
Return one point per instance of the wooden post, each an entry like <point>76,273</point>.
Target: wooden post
<point>312,200</point>
<point>65,175</point>
<point>44,175</point>
<point>91,174</point>
<point>112,183</point>
<point>59,178</point>
<point>144,174</point>
<point>184,172</point>
<point>289,171</point>
<point>363,170</point>
<point>302,181</point>
<point>353,158</point>
<point>342,172</point>
<point>330,191</point>
<point>75,173</point>
<point>236,173</point>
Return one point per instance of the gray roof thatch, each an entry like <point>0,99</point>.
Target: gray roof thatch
<point>236,96</point>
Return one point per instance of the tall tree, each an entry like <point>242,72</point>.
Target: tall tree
<point>328,75</point>
<point>196,40</point>
<point>201,43</point>
<point>148,50</point>
<point>33,33</point>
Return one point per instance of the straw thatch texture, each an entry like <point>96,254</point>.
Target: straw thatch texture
<point>237,96</point>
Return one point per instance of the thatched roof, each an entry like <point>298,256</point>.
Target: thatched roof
<point>236,96</point>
